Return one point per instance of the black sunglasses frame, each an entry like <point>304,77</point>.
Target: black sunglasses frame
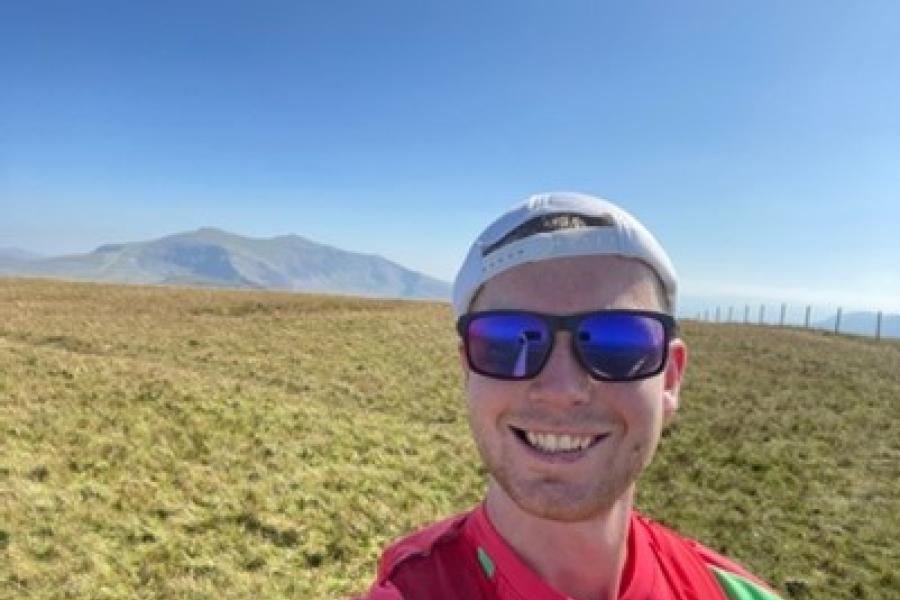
<point>570,323</point>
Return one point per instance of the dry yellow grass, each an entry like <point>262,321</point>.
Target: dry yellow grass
<point>177,443</point>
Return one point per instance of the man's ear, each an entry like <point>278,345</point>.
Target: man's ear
<point>463,362</point>
<point>673,374</point>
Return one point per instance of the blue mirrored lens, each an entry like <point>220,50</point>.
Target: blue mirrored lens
<point>512,346</point>
<point>621,346</point>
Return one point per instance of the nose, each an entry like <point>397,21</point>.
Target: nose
<point>563,380</point>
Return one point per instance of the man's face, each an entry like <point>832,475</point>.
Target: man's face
<point>625,419</point>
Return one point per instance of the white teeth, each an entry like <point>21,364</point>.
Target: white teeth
<point>551,442</point>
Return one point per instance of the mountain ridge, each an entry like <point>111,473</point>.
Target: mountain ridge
<point>14,253</point>
<point>209,256</point>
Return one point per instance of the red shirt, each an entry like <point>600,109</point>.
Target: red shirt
<point>464,557</point>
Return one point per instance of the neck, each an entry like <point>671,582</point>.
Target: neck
<point>588,556</point>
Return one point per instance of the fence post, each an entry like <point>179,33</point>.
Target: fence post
<point>783,309</point>
<point>762,312</point>
<point>706,315</point>
<point>717,314</point>
<point>878,327</point>
<point>808,308</point>
<point>746,314</point>
<point>730,310</point>
<point>837,322</point>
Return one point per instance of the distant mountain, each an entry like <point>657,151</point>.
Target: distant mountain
<point>213,257</point>
<point>864,323</point>
<point>10,252</point>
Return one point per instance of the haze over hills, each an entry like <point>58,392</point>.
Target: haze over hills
<point>216,258</point>
<point>9,252</point>
<point>864,323</point>
<point>212,257</point>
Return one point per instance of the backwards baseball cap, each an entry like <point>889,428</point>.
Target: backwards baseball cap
<point>581,226</point>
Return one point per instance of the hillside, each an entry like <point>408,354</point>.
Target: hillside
<point>215,258</point>
<point>237,444</point>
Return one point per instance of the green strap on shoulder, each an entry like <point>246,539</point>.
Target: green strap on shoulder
<point>740,588</point>
<point>487,564</point>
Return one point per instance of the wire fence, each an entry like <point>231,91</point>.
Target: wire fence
<point>869,323</point>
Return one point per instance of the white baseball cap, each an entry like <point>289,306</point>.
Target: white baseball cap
<point>515,238</point>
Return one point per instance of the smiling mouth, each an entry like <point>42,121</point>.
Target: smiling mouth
<point>557,443</point>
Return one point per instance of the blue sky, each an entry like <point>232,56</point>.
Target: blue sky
<point>760,141</point>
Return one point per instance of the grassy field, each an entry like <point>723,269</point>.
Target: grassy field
<point>173,443</point>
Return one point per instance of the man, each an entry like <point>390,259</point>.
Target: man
<point>572,367</point>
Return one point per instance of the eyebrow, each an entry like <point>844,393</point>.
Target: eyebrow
<point>548,223</point>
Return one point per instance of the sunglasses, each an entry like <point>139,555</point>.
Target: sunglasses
<point>612,345</point>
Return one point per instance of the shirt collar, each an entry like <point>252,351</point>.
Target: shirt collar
<point>514,580</point>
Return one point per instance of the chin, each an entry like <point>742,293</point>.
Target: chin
<point>559,502</point>
<point>565,514</point>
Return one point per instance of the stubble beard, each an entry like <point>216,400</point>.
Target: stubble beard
<point>556,499</point>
